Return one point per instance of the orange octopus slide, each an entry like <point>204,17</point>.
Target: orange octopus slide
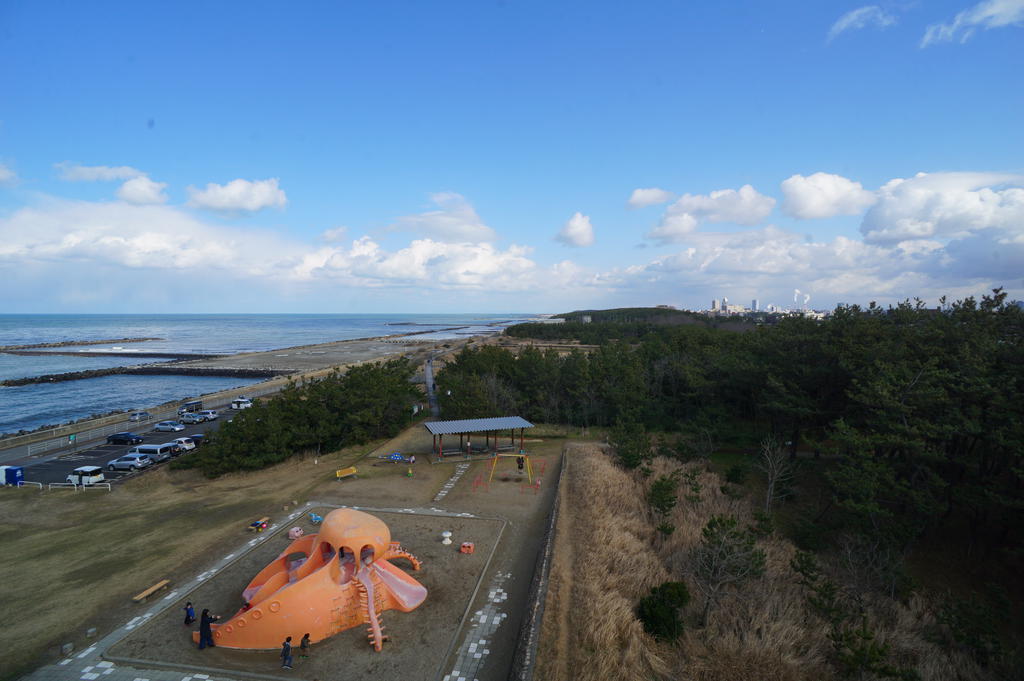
<point>323,584</point>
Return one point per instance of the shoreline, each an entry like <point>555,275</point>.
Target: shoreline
<point>314,358</point>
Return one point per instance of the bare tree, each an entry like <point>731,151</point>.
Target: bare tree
<point>778,468</point>
<point>726,557</point>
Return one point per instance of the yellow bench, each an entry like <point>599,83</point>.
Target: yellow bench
<point>141,598</point>
<point>345,472</point>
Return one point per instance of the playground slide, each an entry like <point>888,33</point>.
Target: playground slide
<point>319,591</point>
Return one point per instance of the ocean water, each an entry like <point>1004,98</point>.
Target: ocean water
<point>32,406</point>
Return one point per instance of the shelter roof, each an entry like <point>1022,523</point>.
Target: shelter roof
<point>476,425</point>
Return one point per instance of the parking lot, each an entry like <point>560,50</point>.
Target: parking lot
<point>56,469</point>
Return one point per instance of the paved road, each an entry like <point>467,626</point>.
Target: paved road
<point>55,468</point>
<point>428,376</point>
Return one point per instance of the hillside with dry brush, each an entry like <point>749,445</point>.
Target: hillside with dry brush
<point>609,554</point>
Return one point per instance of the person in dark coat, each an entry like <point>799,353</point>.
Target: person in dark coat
<point>286,653</point>
<point>190,614</point>
<point>304,645</point>
<point>205,632</point>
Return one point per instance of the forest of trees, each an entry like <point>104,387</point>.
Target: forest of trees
<point>367,402</point>
<point>913,415</point>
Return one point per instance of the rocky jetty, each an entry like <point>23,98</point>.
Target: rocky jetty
<point>71,343</point>
<point>154,370</point>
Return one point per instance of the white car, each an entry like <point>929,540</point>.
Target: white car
<point>197,417</point>
<point>171,426</point>
<point>186,444</point>
<point>241,403</point>
<point>209,414</point>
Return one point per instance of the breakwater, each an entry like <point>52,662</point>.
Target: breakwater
<point>113,353</point>
<point>157,370</point>
<point>71,343</point>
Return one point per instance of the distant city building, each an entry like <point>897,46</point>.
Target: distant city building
<point>714,304</point>
<point>754,305</point>
<point>585,319</point>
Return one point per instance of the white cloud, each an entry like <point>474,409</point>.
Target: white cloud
<point>649,197</point>
<point>577,231</point>
<point>744,206</point>
<point>66,239</point>
<point>823,195</point>
<point>454,220</point>
<point>862,17</point>
<point>984,15</point>
<point>69,234</point>
<point>239,195</point>
<point>768,263</point>
<point>74,172</point>
<point>423,263</point>
<point>950,205</point>
<point>142,190</point>
<point>7,176</point>
<point>675,226</point>
<point>334,235</point>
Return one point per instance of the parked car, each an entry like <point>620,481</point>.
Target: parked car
<point>200,438</point>
<point>209,414</point>
<point>185,444</point>
<point>130,462</point>
<point>125,438</point>
<point>241,403</point>
<point>189,407</point>
<point>168,426</point>
<point>193,418</point>
<point>138,416</point>
<point>86,475</point>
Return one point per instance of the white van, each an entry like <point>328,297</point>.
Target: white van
<point>241,403</point>
<point>86,475</point>
<point>156,452</point>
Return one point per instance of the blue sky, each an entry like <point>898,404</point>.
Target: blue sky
<point>481,156</point>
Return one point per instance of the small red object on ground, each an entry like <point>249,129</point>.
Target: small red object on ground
<point>467,547</point>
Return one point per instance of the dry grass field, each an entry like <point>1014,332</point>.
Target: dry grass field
<point>608,555</point>
<point>73,560</point>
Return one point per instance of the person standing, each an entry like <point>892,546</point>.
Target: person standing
<point>304,646</point>
<point>190,614</point>
<point>286,653</point>
<point>205,632</point>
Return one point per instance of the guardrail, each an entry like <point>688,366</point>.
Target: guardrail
<point>22,483</point>
<point>62,485</point>
<point>97,484</point>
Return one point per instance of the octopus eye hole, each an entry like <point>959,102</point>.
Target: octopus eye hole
<point>366,555</point>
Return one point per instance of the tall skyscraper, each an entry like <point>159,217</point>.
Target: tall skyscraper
<point>754,305</point>
<point>714,304</point>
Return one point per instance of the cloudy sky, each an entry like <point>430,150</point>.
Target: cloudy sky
<point>507,156</point>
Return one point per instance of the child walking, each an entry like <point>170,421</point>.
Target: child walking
<point>304,646</point>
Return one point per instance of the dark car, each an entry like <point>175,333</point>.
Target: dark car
<point>124,439</point>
